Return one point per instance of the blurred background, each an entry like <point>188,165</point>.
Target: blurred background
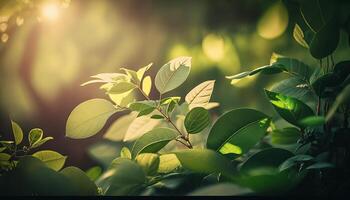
<point>49,47</point>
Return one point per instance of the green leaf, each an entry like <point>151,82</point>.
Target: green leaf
<point>106,78</point>
<point>168,100</point>
<point>168,163</point>
<point>157,117</point>
<point>322,84</point>
<point>35,135</point>
<point>289,135</point>
<point>118,129</point>
<point>298,35</point>
<point>240,127</point>
<point>313,121</point>
<point>200,95</point>
<point>205,161</point>
<point>325,40</point>
<point>342,98</point>
<point>342,69</point>
<point>321,165</point>
<point>88,118</point>
<point>52,159</point>
<point>290,162</point>
<point>41,142</point>
<point>143,107</point>
<point>221,189</point>
<point>17,132</point>
<point>128,178</point>
<point>123,99</point>
<point>289,108</point>
<point>197,120</point>
<point>267,158</point>
<point>147,85</point>
<point>81,182</point>
<point>139,126</point>
<point>5,156</point>
<point>125,153</point>
<point>153,141</point>
<point>149,162</point>
<point>173,74</point>
<point>121,87</point>
<point>94,172</point>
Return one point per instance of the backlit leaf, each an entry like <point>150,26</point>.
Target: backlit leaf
<point>200,95</point>
<point>52,159</point>
<point>17,132</point>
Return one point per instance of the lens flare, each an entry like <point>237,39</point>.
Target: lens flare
<point>50,12</point>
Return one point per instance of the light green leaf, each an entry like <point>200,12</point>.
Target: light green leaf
<point>106,78</point>
<point>35,135</point>
<point>168,163</point>
<point>197,120</point>
<point>17,132</point>
<point>94,172</point>
<point>119,128</point>
<point>88,118</point>
<point>141,72</point>
<point>289,108</point>
<point>147,85</point>
<point>149,162</point>
<point>173,74</point>
<point>153,141</point>
<point>298,35</point>
<point>81,182</point>
<point>41,142</point>
<point>125,153</point>
<point>205,161</point>
<point>123,99</point>
<point>240,127</point>
<point>342,98</point>
<point>288,135</point>
<point>200,95</point>
<point>52,159</point>
<point>121,87</point>
<point>139,126</point>
<point>127,179</point>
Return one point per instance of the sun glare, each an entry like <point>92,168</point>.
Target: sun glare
<point>50,12</point>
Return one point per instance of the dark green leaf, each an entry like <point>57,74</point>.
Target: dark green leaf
<point>240,127</point>
<point>289,135</point>
<point>290,162</point>
<point>81,182</point>
<point>313,121</point>
<point>289,108</point>
<point>94,172</point>
<point>197,120</point>
<point>321,165</point>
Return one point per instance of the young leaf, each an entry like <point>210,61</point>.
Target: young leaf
<point>197,120</point>
<point>288,135</point>
<point>289,108</point>
<point>94,172</point>
<point>52,159</point>
<point>267,158</point>
<point>141,72</point>
<point>168,163</point>
<point>140,126</point>
<point>82,184</point>
<point>240,127</point>
<point>153,141</point>
<point>88,118</point>
<point>128,177</point>
<point>123,99</point>
<point>299,36</point>
<point>106,78</point>
<point>125,153</point>
<point>173,74</point>
<point>143,107</point>
<point>41,142</point>
<point>132,75</point>
<point>17,132</point>
<point>200,95</point>
<point>147,85</point>
<point>121,87</point>
<point>149,162</point>
<point>205,161</point>
<point>35,135</point>
<point>119,128</point>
